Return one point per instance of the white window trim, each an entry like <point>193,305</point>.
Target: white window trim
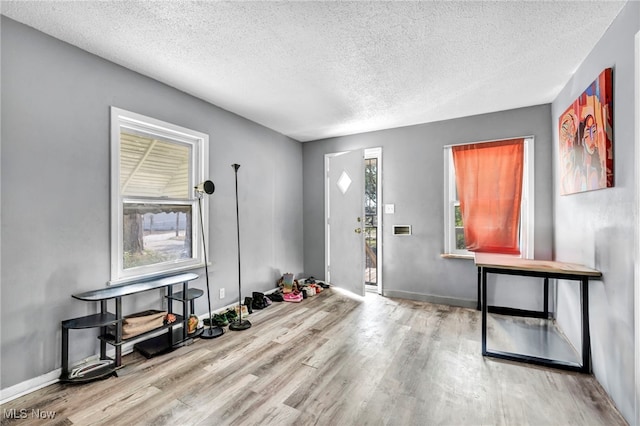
<point>527,211</point>
<point>199,167</point>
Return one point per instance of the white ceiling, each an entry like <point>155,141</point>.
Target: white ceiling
<point>313,69</point>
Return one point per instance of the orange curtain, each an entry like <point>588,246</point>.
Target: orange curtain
<point>489,183</point>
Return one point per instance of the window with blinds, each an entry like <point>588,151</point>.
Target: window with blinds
<point>155,166</point>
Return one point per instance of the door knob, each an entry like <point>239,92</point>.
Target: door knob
<point>358,230</point>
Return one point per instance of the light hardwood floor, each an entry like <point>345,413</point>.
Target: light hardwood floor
<point>333,359</point>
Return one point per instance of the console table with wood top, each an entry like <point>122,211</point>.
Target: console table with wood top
<point>110,324</point>
<point>489,263</point>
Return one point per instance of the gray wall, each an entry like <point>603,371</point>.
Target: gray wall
<point>55,200</point>
<point>596,228</point>
<point>413,180</point>
<point>55,194</point>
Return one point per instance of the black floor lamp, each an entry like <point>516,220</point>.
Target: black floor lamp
<point>207,187</point>
<point>238,324</point>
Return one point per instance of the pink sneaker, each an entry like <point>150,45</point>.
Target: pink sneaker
<point>292,297</point>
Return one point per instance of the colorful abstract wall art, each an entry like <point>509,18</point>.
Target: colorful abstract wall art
<point>586,139</point>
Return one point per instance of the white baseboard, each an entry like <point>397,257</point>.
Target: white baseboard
<point>29,386</point>
<point>32,385</point>
<point>463,303</point>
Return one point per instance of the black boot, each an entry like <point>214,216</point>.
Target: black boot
<point>249,304</point>
<point>258,300</point>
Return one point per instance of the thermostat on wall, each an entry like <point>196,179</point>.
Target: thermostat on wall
<point>401,229</point>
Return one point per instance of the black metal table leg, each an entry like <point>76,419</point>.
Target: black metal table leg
<point>103,331</point>
<point>65,351</point>
<point>586,336</point>
<point>479,288</point>
<point>185,310</point>
<point>546,297</point>
<point>484,312</point>
<point>169,334</point>
<point>118,347</point>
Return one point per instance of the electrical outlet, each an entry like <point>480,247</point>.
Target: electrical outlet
<point>222,293</point>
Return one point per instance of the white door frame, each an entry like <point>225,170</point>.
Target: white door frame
<point>637,234</point>
<point>377,153</point>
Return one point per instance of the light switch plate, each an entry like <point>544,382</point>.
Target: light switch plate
<point>389,208</point>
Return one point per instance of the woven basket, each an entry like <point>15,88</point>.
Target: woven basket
<point>141,322</point>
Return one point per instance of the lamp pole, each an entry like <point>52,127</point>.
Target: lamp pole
<point>238,324</point>
<point>206,188</point>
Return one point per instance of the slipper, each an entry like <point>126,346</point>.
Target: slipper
<point>292,297</point>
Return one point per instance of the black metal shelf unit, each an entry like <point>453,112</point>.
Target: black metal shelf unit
<point>110,325</point>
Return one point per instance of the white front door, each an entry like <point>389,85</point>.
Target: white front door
<point>345,225</point>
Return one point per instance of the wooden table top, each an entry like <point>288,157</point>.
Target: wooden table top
<point>504,261</point>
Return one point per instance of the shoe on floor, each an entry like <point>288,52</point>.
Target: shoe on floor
<point>275,297</point>
<point>292,297</point>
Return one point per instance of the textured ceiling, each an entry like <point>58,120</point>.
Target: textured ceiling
<point>312,70</point>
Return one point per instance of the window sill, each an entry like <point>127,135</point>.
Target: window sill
<point>153,275</point>
<point>457,256</point>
